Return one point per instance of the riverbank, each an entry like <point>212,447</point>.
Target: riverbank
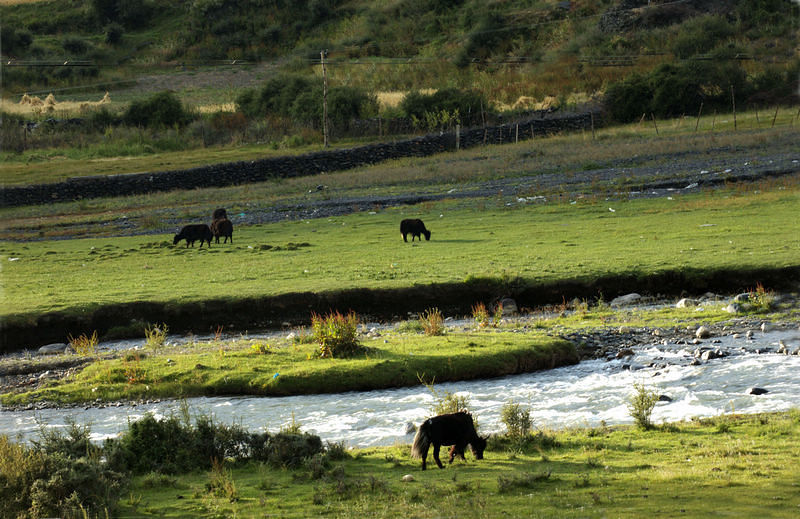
<point>394,355</point>
<point>690,469</point>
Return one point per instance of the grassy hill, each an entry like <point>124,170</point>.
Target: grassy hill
<point>517,52</point>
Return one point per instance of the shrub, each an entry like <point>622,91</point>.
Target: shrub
<point>761,298</point>
<point>641,405</point>
<point>480,314</point>
<point>432,322</point>
<point>114,32</point>
<point>161,110</point>
<point>61,475</point>
<point>74,45</point>
<point>155,336</point>
<point>84,345</point>
<point>516,419</point>
<point>467,104</point>
<point>336,334</point>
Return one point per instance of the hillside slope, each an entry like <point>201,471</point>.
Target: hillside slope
<point>515,52</point>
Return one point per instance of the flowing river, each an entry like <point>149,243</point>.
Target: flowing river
<point>588,394</point>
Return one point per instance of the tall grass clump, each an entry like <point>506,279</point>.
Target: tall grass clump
<point>641,405</point>
<point>84,345</point>
<point>761,298</point>
<point>155,336</point>
<point>446,402</point>
<point>432,322</point>
<point>516,419</point>
<point>336,334</point>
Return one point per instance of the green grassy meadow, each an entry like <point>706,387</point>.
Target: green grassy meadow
<point>728,466</point>
<point>730,228</point>
<point>281,367</point>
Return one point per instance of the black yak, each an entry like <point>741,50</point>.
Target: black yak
<point>415,228</point>
<point>194,232</point>
<point>222,227</point>
<point>456,429</point>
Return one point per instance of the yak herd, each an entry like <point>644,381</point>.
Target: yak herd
<point>222,227</point>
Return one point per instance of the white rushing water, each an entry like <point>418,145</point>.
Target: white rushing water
<point>587,394</point>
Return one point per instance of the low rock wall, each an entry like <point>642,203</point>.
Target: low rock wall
<point>233,173</point>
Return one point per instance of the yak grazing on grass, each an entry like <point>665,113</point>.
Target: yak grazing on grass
<point>194,232</point>
<point>415,228</point>
<point>222,227</point>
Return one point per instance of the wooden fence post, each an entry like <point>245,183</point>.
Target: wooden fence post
<point>652,116</point>
<point>697,123</point>
<point>733,104</point>
<point>774,116</point>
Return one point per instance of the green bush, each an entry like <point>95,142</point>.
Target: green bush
<point>641,405</point>
<point>701,34</point>
<point>516,419</point>
<point>60,475</point>
<point>336,334</point>
<point>74,45</point>
<point>466,103</point>
<point>161,110</point>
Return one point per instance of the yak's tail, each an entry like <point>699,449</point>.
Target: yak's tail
<point>421,442</point>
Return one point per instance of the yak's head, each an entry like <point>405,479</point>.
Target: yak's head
<point>176,239</point>
<point>427,235</point>
<point>478,446</point>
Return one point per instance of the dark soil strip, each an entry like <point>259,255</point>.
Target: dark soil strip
<point>128,320</point>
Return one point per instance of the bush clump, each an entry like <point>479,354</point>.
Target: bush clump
<point>162,110</point>
<point>641,405</point>
<point>336,334</point>
<point>516,419</point>
<point>61,475</point>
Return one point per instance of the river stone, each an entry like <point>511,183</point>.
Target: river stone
<point>52,349</point>
<point>685,303</point>
<point>711,354</point>
<point>757,391</point>
<point>410,428</point>
<point>627,299</point>
<point>733,308</point>
<point>703,333</point>
<point>508,305</point>
<point>664,398</point>
<point>408,478</point>
<point>742,298</point>
<point>767,327</point>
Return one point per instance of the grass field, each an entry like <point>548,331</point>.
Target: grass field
<point>732,228</point>
<point>728,466</point>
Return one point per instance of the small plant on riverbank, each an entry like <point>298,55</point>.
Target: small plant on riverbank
<point>84,345</point>
<point>432,322</point>
<point>641,405</point>
<point>516,419</point>
<point>761,298</point>
<point>482,317</point>
<point>447,402</point>
<point>155,336</point>
<point>260,348</point>
<point>480,314</point>
<point>336,334</point>
<point>220,482</point>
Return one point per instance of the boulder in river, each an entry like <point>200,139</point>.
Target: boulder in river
<point>703,332</point>
<point>757,391</point>
<point>686,303</point>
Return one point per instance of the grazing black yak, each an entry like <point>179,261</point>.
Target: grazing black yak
<point>219,213</point>
<point>222,227</point>
<point>456,429</point>
<point>415,228</point>
<point>194,232</point>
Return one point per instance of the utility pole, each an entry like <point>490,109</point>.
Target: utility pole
<point>322,55</point>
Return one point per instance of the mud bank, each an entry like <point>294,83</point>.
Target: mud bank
<point>127,320</point>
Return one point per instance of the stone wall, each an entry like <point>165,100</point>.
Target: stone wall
<point>233,173</point>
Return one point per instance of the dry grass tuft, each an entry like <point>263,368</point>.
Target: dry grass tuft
<point>33,105</point>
